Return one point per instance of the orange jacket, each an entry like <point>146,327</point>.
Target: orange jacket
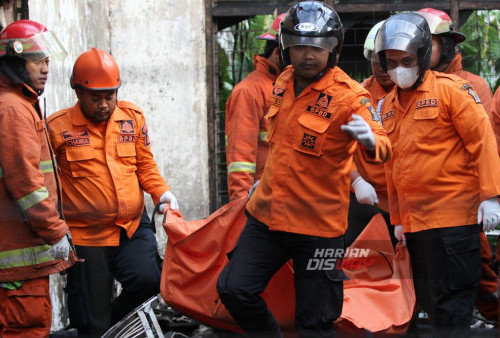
<point>305,185</point>
<point>480,86</point>
<point>444,161</point>
<point>373,173</point>
<point>29,221</point>
<point>103,179</point>
<point>246,127</point>
<point>495,116</point>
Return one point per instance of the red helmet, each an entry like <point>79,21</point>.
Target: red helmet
<point>95,69</point>
<point>440,23</point>
<point>273,30</point>
<point>30,40</point>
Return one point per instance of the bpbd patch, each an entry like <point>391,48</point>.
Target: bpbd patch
<point>426,103</point>
<point>127,127</point>
<point>126,138</point>
<point>320,107</point>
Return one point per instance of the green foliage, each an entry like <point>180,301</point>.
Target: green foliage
<point>481,50</point>
<point>237,45</point>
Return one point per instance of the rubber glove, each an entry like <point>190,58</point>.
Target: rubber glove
<point>399,234</point>
<point>168,197</point>
<point>60,250</point>
<point>365,193</point>
<point>489,214</point>
<point>359,129</point>
<point>252,189</point>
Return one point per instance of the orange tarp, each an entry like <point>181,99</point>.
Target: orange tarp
<point>379,296</point>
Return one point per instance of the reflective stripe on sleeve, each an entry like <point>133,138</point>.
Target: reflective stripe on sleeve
<point>25,256</point>
<point>241,166</point>
<point>32,199</point>
<point>262,136</point>
<point>46,167</point>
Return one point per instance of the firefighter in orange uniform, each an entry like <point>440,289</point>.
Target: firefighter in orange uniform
<point>104,156</point>
<point>444,53</point>
<point>369,196</point>
<point>298,211</point>
<point>246,127</point>
<point>34,238</point>
<point>442,178</point>
<point>445,59</point>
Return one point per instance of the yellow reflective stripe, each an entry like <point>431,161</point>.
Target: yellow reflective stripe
<point>32,199</point>
<point>46,167</point>
<point>241,166</point>
<point>225,139</point>
<point>262,135</point>
<point>25,256</point>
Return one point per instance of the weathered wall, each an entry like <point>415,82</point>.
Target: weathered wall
<point>160,48</point>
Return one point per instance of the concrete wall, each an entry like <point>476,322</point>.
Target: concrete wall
<point>160,48</point>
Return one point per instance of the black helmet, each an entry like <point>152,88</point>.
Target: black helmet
<point>408,32</point>
<point>312,23</point>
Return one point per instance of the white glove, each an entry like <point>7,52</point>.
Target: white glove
<point>365,193</point>
<point>489,214</point>
<point>60,250</point>
<point>399,234</point>
<point>168,197</point>
<point>360,130</point>
<point>252,189</point>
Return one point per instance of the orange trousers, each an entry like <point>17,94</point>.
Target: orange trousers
<point>26,312</point>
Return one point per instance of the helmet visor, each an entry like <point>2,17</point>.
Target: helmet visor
<point>328,43</point>
<point>37,47</point>
<point>399,35</point>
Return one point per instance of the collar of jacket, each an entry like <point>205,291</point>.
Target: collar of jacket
<point>331,75</point>
<point>78,119</point>
<point>264,65</point>
<point>22,90</point>
<point>455,64</point>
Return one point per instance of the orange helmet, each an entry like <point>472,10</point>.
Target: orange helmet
<point>30,40</point>
<point>95,69</point>
<point>273,30</point>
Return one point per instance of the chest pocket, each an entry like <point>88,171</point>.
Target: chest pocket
<point>127,155</point>
<point>311,135</point>
<point>426,124</point>
<point>81,161</point>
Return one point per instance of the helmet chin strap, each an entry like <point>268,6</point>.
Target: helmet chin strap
<point>321,74</point>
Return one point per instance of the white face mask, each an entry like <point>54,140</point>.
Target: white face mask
<point>404,77</point>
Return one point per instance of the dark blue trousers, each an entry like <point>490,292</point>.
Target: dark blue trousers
<point>134,263</point>
<point>258,255</point>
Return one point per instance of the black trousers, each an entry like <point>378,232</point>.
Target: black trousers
<point>134,263</point>
<point>258,255</point>
<point>358,218</point>
<point>446,265</point>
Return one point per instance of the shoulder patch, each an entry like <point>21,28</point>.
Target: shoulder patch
<point>130,105</point>
<point>367,103</point>
<point>467,87</point>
